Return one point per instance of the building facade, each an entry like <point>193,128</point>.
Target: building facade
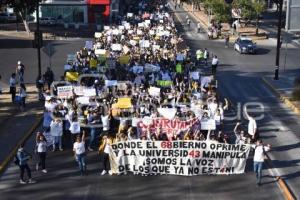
<point>79,11</point>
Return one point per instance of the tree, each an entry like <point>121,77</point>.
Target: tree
<point>251,9</point>
<point>258,7</point>
<point>24,8</point>
<point>219,8</point>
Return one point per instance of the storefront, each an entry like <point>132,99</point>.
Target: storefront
<point>80,11</point>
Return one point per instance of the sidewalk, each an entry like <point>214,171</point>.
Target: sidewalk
<point>16,125</point>
<point>283,89</point>
<point>204,20</point>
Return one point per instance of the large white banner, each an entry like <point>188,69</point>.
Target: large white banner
<point>185,158</point>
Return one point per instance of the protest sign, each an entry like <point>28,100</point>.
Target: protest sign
<point>121,27</point>
<point>98,34</point>
<point>93,63</point>
<point>78,90</point>
<point>106,28</point>
<point>139,32</point>
<point>109,83</point>
<point>100,51</point>
<point>71,76</point>
<point>154,91</point>
<point>144,43</point>
<point>164,83</point>
<point>167,125</point>
<point>89,44</point>
<point>83,100</point>
<point>209,124</point>
<point>122,86</point>
<point>65,92</point>
<point>168,113</point>
<point>115,32</point>
<point>116,47</point>
<point>186,158</point>
<point>88,92</point>
<point>129,14</point>
<point>124,103</point>
<point>133,42</point>
<point>124,60</point>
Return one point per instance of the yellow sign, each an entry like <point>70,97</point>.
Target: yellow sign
<point>164,83</point>
<point>124,60</point>
<point>93,63</point>
<point>124,103</point>
<point>71,76</point>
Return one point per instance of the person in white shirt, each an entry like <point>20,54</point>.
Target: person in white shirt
<point>56,131</point>
<point>104,150</point>
<point>258,159</point>
<point>79,151</point>
<point>74,128</point>
<point>41,149</point>
<point>214,65</point>
<point>252,126</point>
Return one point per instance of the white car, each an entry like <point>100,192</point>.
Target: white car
<point>47,21</point>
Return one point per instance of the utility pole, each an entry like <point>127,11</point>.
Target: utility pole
<point>276,75</point>
<point>38,38</point>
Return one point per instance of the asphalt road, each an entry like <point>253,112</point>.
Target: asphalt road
<point>240,81</point>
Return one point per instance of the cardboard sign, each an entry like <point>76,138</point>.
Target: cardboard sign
<point>154,91</point>
<point>124,103</point>
<point>89,45</point>
<point>208,124</point>
<point>98,35</point>
<point>78,90</point>
<point>133,42</point>
<point>100,52</point>
<point>116,47</point>
<point>89,92</point>
<point>109,83</point>
<point>65,92</point>
<point>168,113</point>
<point>93,63</point>
<point>71,76</point>
<point>124,60</point>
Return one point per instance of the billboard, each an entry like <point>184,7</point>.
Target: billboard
<point>293,15</point>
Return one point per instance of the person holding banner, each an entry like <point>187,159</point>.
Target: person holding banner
<point>259,157</point>
<point>104,151</point>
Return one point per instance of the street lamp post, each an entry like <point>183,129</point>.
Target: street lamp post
<point>38,39</point>
<point>276,75</point>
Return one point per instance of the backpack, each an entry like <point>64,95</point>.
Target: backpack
<point>16,160</point>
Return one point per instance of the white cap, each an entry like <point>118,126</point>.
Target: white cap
<point>19,62</point>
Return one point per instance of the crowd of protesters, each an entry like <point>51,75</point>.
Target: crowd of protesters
<point>122,67</point>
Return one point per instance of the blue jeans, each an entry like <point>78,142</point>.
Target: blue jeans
<point>57,140</point>
<point>258,170</point>
<point>80,158</point>
<point>92,137</point>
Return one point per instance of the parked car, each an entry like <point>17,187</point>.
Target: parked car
<point>47,21</point>
<point>8,17</point>
<point>245,45</point>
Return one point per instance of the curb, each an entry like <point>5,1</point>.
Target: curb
<point>5,163</point>
<point>287,193</point>
<point>282,98</point>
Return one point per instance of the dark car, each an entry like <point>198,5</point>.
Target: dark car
<point>245,45</point>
